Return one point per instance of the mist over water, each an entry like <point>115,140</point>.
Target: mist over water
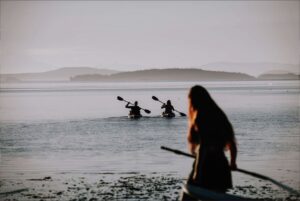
<point>67,127</point>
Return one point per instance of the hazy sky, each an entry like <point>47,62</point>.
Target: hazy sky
<point>43,35</point>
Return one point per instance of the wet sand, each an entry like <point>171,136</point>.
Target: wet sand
<point>121,186</point>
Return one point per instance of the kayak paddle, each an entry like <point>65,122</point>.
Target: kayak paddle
<point>121,99</point>
<point>156,99</point>
<point>254,174</point>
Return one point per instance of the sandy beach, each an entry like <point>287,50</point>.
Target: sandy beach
<point>123,186</point>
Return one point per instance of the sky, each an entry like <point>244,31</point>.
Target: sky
<point>38,36</point>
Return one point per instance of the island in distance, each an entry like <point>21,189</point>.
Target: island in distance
<point>175,74</point>
<point>57,75</point>
<point>88,74</point>
<point>164,75</point>
<point>279,75</point>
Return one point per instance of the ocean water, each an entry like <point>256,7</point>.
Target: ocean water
<point>53,128</point>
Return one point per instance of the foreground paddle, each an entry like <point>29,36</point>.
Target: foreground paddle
<point>156,99</point>
<point>254,174</point>
<point>121,99</point>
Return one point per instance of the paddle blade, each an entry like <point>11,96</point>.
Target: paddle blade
<point>182,114</point>
<point>147,111</point>
<point>154,98</point>
<point>120,98</point>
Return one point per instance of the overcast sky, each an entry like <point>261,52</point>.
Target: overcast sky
<point>44,35</point>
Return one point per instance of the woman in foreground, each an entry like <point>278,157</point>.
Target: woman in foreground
<point>210,134</point>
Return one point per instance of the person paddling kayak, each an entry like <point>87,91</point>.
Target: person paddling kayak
<point>135,110</point>
<point>168,109</point>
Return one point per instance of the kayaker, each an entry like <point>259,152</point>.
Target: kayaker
<point>168,108</point>
<point>135,109</point>
<point>210,134</point>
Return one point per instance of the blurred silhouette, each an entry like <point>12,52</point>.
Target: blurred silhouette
<point>210,134</point>
<point>135,110</point>
<point>168,109</point>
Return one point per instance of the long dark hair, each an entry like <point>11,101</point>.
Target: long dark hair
<point>207,121</point>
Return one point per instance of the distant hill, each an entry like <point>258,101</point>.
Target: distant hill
<point>88,74</point>
<point>62,74</point>
<point>279,75</point>
<point>172,74</point>
<point>255,68</point>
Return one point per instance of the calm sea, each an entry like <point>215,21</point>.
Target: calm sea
<point>82,127</point>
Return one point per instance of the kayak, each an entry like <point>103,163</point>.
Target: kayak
<point>134,116</point>
<point>205,194</point>
<point>168,115</point>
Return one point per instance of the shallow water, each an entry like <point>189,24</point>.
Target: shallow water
<point>74,129</point>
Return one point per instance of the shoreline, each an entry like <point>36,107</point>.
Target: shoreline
<point>123,186</point>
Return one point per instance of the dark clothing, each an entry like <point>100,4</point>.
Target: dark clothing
<point>168,108</point>
<point>211,169</point>
<point>210,132</point>
<point>134,110</point>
